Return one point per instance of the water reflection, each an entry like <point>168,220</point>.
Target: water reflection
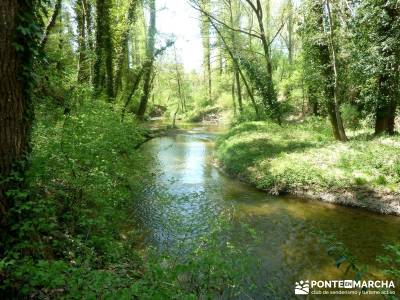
<point>287,249</point>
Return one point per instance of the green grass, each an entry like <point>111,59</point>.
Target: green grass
<point>75,234</point>
<point>305,156</point>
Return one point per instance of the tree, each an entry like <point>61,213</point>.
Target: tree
<point>81,27</point>
<point>319,50</point>
<point>150,56</point>
<point>122,57</point>
<point>234,18</point>
<point>103,66</point>
<point>51,24</point>
<point>377,34</point>
<point>179,83</point>
<point>336,101</point>
<point>19,39</point>
<point>205,34</point>
<point>290,32</point>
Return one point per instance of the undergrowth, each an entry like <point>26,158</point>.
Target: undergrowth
<point>75,234</point>
<point>304,156</point>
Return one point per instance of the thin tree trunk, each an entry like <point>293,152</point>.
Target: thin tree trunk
<point>124,46</point>
<point>290,32</point>
<point>236,75</point>
<point>238,87</point>
<point>81,26</point>
<point>89,34</point>
<point>51,24</point>
<point>108,48</point>
<point>248,88</point>
<point>257,8</point>
<point>98,69</point>
<point>339,122</point>
<point>205,32</point>
<point>234,95</point>
<point>178,79</point>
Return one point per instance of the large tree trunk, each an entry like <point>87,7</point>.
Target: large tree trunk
<point>15,104</point>
<point>386,108</point>
<point>389,77</point>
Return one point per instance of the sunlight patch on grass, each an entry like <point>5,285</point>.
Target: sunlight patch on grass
<point>305,156</point>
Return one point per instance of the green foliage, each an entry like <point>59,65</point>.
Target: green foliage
<point>342,256</point>
<point>83,171</point>
<point>303,156</point>
<point>350,116</point>
<point>264,88</point>
<point>391,260</point>
<point>76,236</point>
<point>374,69</point>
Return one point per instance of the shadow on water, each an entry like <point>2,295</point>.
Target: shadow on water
<point>286,248</point>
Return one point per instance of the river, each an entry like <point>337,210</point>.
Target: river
<point>287,247</point>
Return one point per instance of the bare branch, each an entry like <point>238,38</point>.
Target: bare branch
<point>198,7</point>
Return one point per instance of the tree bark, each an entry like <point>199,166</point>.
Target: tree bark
<point>108,44</point>
<point>15,104</point>
<point>258,10</point>
<point>327,70</point>
<point>81,27</point>
<point>89,35</point>
<point>150,58</point>
<point>338,116</point>
<point>103,66</point>
<point>98,69</point>
<point>389,75</point>
<point>123,54</point>
<point>386,108</point>
<point>236,76</point>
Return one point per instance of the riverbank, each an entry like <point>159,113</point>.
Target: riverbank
<point>75,235</point>
<point>304,160</point>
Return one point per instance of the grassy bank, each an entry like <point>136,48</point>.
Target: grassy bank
<point>75,234</point>
<point>304,159</point>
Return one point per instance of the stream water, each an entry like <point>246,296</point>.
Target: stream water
<point>287,248</point>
